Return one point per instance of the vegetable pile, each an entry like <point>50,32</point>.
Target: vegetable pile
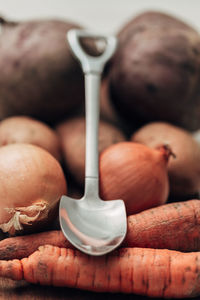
<point>149,156</point>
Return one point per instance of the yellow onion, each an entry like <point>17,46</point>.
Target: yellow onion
<point>31,184</point>
<point>136,174</point>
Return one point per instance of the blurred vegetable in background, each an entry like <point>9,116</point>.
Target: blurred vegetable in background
<point>155,73</point>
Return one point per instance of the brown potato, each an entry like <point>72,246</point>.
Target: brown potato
<point>39,75</point>
<point>22,129</point>
<point>107,111</point>
<point>155,73</point>
<point>184,168</point>
<point>72,136</point>
<point>152,20</point>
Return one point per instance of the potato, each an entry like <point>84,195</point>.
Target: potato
<point>152,20</point>
<point>107,111</point>
<point>22,129</point>
<point>39,75</point>
<point>155,73</point>
<point>72,136</point>
<point>184,168</point>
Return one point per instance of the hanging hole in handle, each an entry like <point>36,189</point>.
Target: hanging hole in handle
<point>91,64</point>
<point>93,46</point>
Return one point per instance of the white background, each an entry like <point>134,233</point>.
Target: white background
<point>102,15</point>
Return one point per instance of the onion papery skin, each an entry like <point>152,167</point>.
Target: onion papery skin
<point>136,174</point>
<point>31,184</point>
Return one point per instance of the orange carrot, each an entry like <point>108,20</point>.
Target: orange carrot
<point>143,271</point>
<point>174,226</point>
<point>23,246</point>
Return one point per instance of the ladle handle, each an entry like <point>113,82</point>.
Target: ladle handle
<point>92,68</point>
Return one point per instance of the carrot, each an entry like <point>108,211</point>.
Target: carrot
<point>144,271</point>
<point>23,246</point>
<point>174,226</point>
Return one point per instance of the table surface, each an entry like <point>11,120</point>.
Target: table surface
<point>12,290</point>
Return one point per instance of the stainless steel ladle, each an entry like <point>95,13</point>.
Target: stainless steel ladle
<point>92,225</point>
